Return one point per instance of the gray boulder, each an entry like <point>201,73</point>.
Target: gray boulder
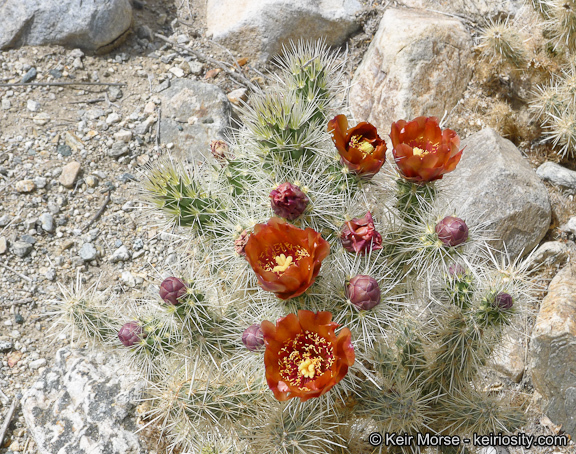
<point>494,184</point>
<point>90,25</point>
<point>558,176</point>
<point>419,63</point>
<point>258,29</point>
<point>476,9</point>
<point>193,114</point>
<point>83,405</point>
<point>553,350</point>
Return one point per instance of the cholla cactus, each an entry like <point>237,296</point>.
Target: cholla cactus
<point>368,305</point>
<point>501,42</point>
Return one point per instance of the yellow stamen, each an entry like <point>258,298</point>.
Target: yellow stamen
<point>362,144</point>
<point>419,152</point>
<point>308,367</point>
<point>283,263</point>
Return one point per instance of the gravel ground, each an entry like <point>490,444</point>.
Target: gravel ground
<point>50,223</point>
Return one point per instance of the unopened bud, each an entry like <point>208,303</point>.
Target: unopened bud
<point>503,301</point>
<point>220,150</point>
<point>288,201</point>
<point>172,289</point>
<point>452,231</point>
<point>130,334</point>
<point>240,243</point>
<point>363,291</point>
<point>253,338</point>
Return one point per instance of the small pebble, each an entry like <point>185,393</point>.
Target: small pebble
<point>25,186</point>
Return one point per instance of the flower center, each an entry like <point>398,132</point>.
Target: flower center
<point>283,263</point>
<point>280,256</point>
<point>419,152</point>
<point>361,144</point>
<point>304,357</point>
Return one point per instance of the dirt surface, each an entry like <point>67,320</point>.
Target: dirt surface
<point>37,151</point>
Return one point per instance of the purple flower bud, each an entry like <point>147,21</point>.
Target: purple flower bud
<point>130,334</point>
<point>288,201</point>
<point>240,243</point>
<point>253,338</point>
<point>503,301</point>
<point>457,270</point>
<point>452,231</point>
<point>363,291</point>
<point>172,289</point>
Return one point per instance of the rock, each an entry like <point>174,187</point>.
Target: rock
<point>88,25</point>
<point>47,221</point>
<point>177,71</point>
<point>88,252</point>
<point>238,96</point>
<point>478,9</point>
<point>118,149</point>
<point>569,227</point>
<point>73,141</point>
<point>64,150</point>
<point>259,29</point>
<point>509,358</point>
<point>128,279</point>
<point>120,255</point>
<point>144,127</point>
<point>3,245</point>
<point>115,93</point>
<point>22,248</point>
<point>69,173</point>
<point>490,167</point>
<point>144,32</point>
<point>33,106</point>
<point>37,364</point>
<point>419,63</point>
<point>25,186</point>
<point>196,67</point>
<point>551,253</point>
<point>92,181</point>
<point>28,238</point>
<point>41,119</point>
<point>5,346</point>
<point>123,135</point>
<point>4,220</point>
<point>6,104</point>
<point>30,75</point>
<point>558,175</point>
<point>82,404</point>
<point>193,114</point>
<point>113,118</point>
<point>40,182</point>
<point>553,350</point>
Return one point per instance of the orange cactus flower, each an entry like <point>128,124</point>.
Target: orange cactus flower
<point>286,259</point>
<point>304,358</point>
<point>360,147</point>
<point>422,151</point>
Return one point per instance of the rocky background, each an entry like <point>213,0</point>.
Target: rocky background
<point>91,95</point>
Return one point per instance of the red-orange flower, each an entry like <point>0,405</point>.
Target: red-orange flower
<point>422,151</point>
<point>304,358</point>
<point>360,147</point>
<point>286,259</point>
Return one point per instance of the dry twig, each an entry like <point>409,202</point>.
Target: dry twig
<point>8,419</point>
<point>99,213</point>
<point>26,278</point>
<point>238,77</point>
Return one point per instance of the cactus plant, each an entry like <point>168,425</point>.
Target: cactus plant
<point>369,301</point>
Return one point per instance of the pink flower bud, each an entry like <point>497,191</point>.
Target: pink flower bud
<point>253,338</point>
<point>452,231</point>
<point>363,291</point>
<point>360,236</point>
<point>172,289</point>
<point>240,243</point>
<point>288,201</point>
<point>220,150</point>
<point>130,334</point>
